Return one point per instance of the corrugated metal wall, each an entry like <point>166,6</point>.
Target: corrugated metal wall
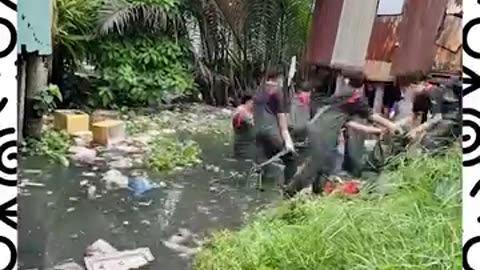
<point>384,38</point>
<point>418,30</point>
<point>323,31</point>
<point>353,35</point>
<point>426,36</point>
<point>381,48</point>
<point>448,55</point>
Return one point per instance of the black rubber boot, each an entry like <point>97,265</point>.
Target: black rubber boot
<point>319,184</point>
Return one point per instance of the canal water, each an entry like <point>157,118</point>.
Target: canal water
<point>58,221</point>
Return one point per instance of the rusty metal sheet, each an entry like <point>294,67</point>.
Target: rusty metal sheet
<point>446,60</point>
<point>450,36</point>
<point>323,31</point>
<point>418,30</point>
<point>384,38</point>
<point>353,33</point>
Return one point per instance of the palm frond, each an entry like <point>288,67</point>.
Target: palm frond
<point>113,15</point>
<point>119,15</point>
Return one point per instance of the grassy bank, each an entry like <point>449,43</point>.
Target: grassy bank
<point>418,226</point>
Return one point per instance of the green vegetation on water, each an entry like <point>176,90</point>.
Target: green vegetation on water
<point>52,144</point>
<point>166,154</point>
<point>417,226</point>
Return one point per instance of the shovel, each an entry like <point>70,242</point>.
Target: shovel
<point>257,167</point>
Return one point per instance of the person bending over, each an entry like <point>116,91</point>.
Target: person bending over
<point>324,129</point>
<point>271,128</point>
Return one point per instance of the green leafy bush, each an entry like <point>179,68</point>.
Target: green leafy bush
<point>73,24</point>
<point>52,144</point>
<point>166,154</point>
<point>140,69</point>
<point>46,100</point>
<point>417,226</point>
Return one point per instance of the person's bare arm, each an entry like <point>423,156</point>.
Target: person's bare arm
<point>282,122</point>
<point>283,126</point>
<point>376,118</point>
<point>425,126</point>
<point>364,128</point>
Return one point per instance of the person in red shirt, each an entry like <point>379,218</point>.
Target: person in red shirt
<point>243,129</point>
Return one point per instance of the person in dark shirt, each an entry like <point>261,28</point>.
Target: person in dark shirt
<point>243,129</point>
<point>271,128</point>
<point>324,130</point>
<point>422,104</point>
<point>300,111</point>
<point>445,122</point>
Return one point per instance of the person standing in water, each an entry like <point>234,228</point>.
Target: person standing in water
<point>271,128</point>
<point>244,129</point>
<point>324,130</point>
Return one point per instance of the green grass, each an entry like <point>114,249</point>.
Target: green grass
<point>417,226</point>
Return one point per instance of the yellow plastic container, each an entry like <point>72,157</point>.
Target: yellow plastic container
<point>108,132</point>
<point>71,121</point>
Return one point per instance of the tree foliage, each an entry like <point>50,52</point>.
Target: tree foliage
<point>140,69</point>
<point>237,39</point>
<point>230,42</point>
<point>72,28</point>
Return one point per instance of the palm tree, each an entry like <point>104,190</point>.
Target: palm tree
<point>72,25</point>
<point>231,40</point>
<point>239,38</point>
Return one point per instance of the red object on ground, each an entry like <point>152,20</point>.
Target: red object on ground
<point>328,188</point>
<point>348,188</point>
<point>351,188</point>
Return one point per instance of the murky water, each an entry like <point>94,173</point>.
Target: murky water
<point>58,222</point>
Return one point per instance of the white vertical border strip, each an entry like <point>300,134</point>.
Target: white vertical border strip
<point>471,135</point>
<point>8,135</point>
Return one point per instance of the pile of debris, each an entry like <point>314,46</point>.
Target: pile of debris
<point>103,256</point>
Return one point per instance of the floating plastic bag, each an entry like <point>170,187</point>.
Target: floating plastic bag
<point>140,185</point>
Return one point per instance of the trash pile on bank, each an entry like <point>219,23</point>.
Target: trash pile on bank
<point>122,140</point>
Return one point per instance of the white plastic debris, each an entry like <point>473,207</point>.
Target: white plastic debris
<point>83,154</point>
<point>88,174</point>
<point>91,192</point>
<point>68,265</point>
<point>28,183</point>
<point>106,257</point>
<point>115,179</point>
<point>100,247</point>
<point>178,242</point>
<point>121,164</point>
<point>183,250</point>
<point>83,183</point>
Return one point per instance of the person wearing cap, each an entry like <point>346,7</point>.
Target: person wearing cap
<point>270,117</point>
<point>243,129</point>
<point>324,130</point>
